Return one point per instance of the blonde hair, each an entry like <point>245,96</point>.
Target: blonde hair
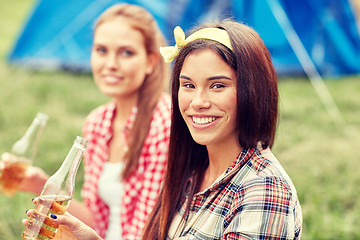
<point>154,83</point>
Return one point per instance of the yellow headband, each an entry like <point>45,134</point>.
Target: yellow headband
<point>216,34</point>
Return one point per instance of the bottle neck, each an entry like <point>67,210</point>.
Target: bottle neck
<point>26,146</point>
<point>72,161</point>
<point>63,180</point>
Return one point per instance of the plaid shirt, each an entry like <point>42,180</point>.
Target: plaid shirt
<point>253,199</point>
<point>143,186</point>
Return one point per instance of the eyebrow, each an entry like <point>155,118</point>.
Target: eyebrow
<point>183,76</point>
<point>210,78</point>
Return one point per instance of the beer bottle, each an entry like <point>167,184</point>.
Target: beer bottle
<point>21,156</point>
<point>56,195</point>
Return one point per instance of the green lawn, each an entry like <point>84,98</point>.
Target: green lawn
<point>319,155</point>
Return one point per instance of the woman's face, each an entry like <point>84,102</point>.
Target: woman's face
<point>207,98</point>
<point>118,59</point>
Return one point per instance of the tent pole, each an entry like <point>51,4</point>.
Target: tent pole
<point>305,61</point>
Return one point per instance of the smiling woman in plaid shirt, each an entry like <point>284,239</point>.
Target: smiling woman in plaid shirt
<point>128,137</point>
<point>222,180</point>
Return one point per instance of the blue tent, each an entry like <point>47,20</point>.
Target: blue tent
<point>57,34</point>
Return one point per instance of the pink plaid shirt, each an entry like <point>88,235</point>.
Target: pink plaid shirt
<point>143,186</point>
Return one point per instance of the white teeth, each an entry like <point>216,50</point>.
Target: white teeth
<point>111,79</point>
<point>203,120</point>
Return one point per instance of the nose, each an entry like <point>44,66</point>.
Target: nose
<point>201,100</point>
<point>111,61</point>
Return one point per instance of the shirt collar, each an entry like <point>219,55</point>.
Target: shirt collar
<point>240,161</point>
<point>109,117</point>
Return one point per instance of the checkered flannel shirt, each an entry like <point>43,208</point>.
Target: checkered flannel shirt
<point>253,199</point>
<point>143,186</point>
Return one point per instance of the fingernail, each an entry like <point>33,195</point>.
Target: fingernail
<point>53,216</point>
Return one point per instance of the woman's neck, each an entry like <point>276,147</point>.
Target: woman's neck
<point>118,145</point>
<point>220,158</point>
<point>124,107</point>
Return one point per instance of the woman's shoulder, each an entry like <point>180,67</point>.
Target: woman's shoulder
<point>164,103</point>
<point>159,131</point>
<point>100,112</point>
<point>162,111</point>
<point>263,172</point>
<point>100,116</point>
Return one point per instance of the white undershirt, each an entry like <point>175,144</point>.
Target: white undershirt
<point>111,191</point>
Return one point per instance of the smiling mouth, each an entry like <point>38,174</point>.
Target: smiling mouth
<point>203,120</point>
<point>112,79</point>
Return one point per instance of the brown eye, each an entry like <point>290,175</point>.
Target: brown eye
<point>217,85</point>
<point>188,85</point>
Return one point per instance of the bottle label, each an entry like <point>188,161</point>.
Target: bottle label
<point>40,226</point>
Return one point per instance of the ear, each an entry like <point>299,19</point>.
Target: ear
<point>152,60</point>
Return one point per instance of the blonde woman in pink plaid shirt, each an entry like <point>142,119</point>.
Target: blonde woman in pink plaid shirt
<point>128,137</point>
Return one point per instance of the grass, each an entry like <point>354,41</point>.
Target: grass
<point>319,155</point>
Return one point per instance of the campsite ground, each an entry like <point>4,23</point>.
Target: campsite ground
<point>320,156</point>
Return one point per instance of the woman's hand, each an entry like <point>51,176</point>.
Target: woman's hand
<point>34,178</point>
<point>70,228</point>
<point>78,229</point>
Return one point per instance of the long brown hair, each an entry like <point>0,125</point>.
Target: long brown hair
<point>154,83</point>
<point>257,113</point>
